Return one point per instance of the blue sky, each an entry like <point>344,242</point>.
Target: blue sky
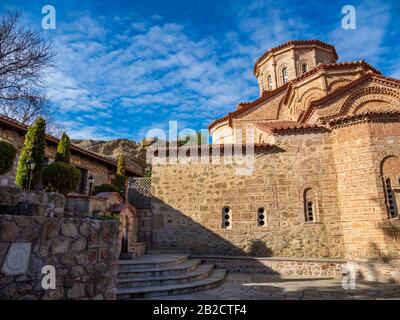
<point>124,67</point>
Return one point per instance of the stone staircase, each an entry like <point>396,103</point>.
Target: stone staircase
<point>156,275</point>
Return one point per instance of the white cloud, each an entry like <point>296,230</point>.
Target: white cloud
<point>367,40</point>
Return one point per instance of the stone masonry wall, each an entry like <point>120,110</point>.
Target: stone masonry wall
<point>188,214</point>
<point>359,152</point>
<point>83,252</point>
<point>14,200</point>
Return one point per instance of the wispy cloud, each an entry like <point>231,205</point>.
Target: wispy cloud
<point>122,74</point>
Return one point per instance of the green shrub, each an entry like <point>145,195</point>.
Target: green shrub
<point>63,149</point>
<point>7,156</point>
<point>34,144</point>
<point>109,216</point>
<point>60,177</point>
<point>104,188</point>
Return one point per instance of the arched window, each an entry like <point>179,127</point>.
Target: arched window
<point>269,79</point>
<point>391,199</point>
<point>304,68</point>
<point>309,205</point>
<point>261,217</point>
<point>226,218</point>
<point>285,75</point>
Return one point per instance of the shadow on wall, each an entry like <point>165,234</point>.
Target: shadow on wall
<point>173,229</point>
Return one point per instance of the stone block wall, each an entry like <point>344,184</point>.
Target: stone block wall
<point>145,224</point>
<point>359,152</point>
<point>83,252</point>
<point>188,215</point>
<point>342,167</point>
<point>14,200</point>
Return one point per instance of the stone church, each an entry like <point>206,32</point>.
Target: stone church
<point>326,178</point>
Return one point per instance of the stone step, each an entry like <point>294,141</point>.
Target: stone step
<point>203,271</point>
<point>168,251</point>
<point>150,261</point>
<point>214,280</point>
<point>187,266</point>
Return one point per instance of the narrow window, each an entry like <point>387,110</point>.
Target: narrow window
<point>285,75</point>
<point>226,217</point>
<point>309,205</point>
<point>390,199</point>
<point>304,68</point>
<point>261,217</point>
<point>269,83</point>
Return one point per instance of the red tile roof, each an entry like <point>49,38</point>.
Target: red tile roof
<point>107,195</point>
<point>330,66</point>
<point>209,148</point>
<point>285,126</point>
<point>6,121</point>
<point>364,116</point>
<point>369,76</point>
<point>295,42</point>
<point>244,106</point>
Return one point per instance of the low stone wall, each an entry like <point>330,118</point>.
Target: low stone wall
<point>84,253</point>
<point>19,201</point>
<point>366,270</point>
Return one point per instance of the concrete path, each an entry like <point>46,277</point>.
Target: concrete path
<point>262,287</point>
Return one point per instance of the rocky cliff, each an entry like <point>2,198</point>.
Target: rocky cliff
<point>135,152</point>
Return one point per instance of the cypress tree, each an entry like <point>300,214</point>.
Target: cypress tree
<point>120,178</point>
<point>121,166</point>
<point>34,145</point>
<point>63,149</point>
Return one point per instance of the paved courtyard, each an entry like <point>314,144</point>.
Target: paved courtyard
<point>262,287</point>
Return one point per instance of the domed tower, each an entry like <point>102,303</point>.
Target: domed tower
<point>279,65</point>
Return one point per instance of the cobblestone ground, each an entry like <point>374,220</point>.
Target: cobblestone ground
<point>262,287</point>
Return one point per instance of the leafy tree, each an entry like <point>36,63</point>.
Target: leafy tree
<point>7,156</point>
<point>121,165</point>
<point>60,177</point>
<point>193,139</point>
<point>34,145</point>
<point>105,188</point>
<point>64,149</point>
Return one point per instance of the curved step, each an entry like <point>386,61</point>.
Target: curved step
<point>203,271</point>
<point>152,261</point>
<point>214,280</point>
<point>185,267</point>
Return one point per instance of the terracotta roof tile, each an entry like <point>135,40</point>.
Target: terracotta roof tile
<point>295,42</point>
<point>209,148</point>
<point>280,126</point>
<point>364,116</point>
<point>244,106</point>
